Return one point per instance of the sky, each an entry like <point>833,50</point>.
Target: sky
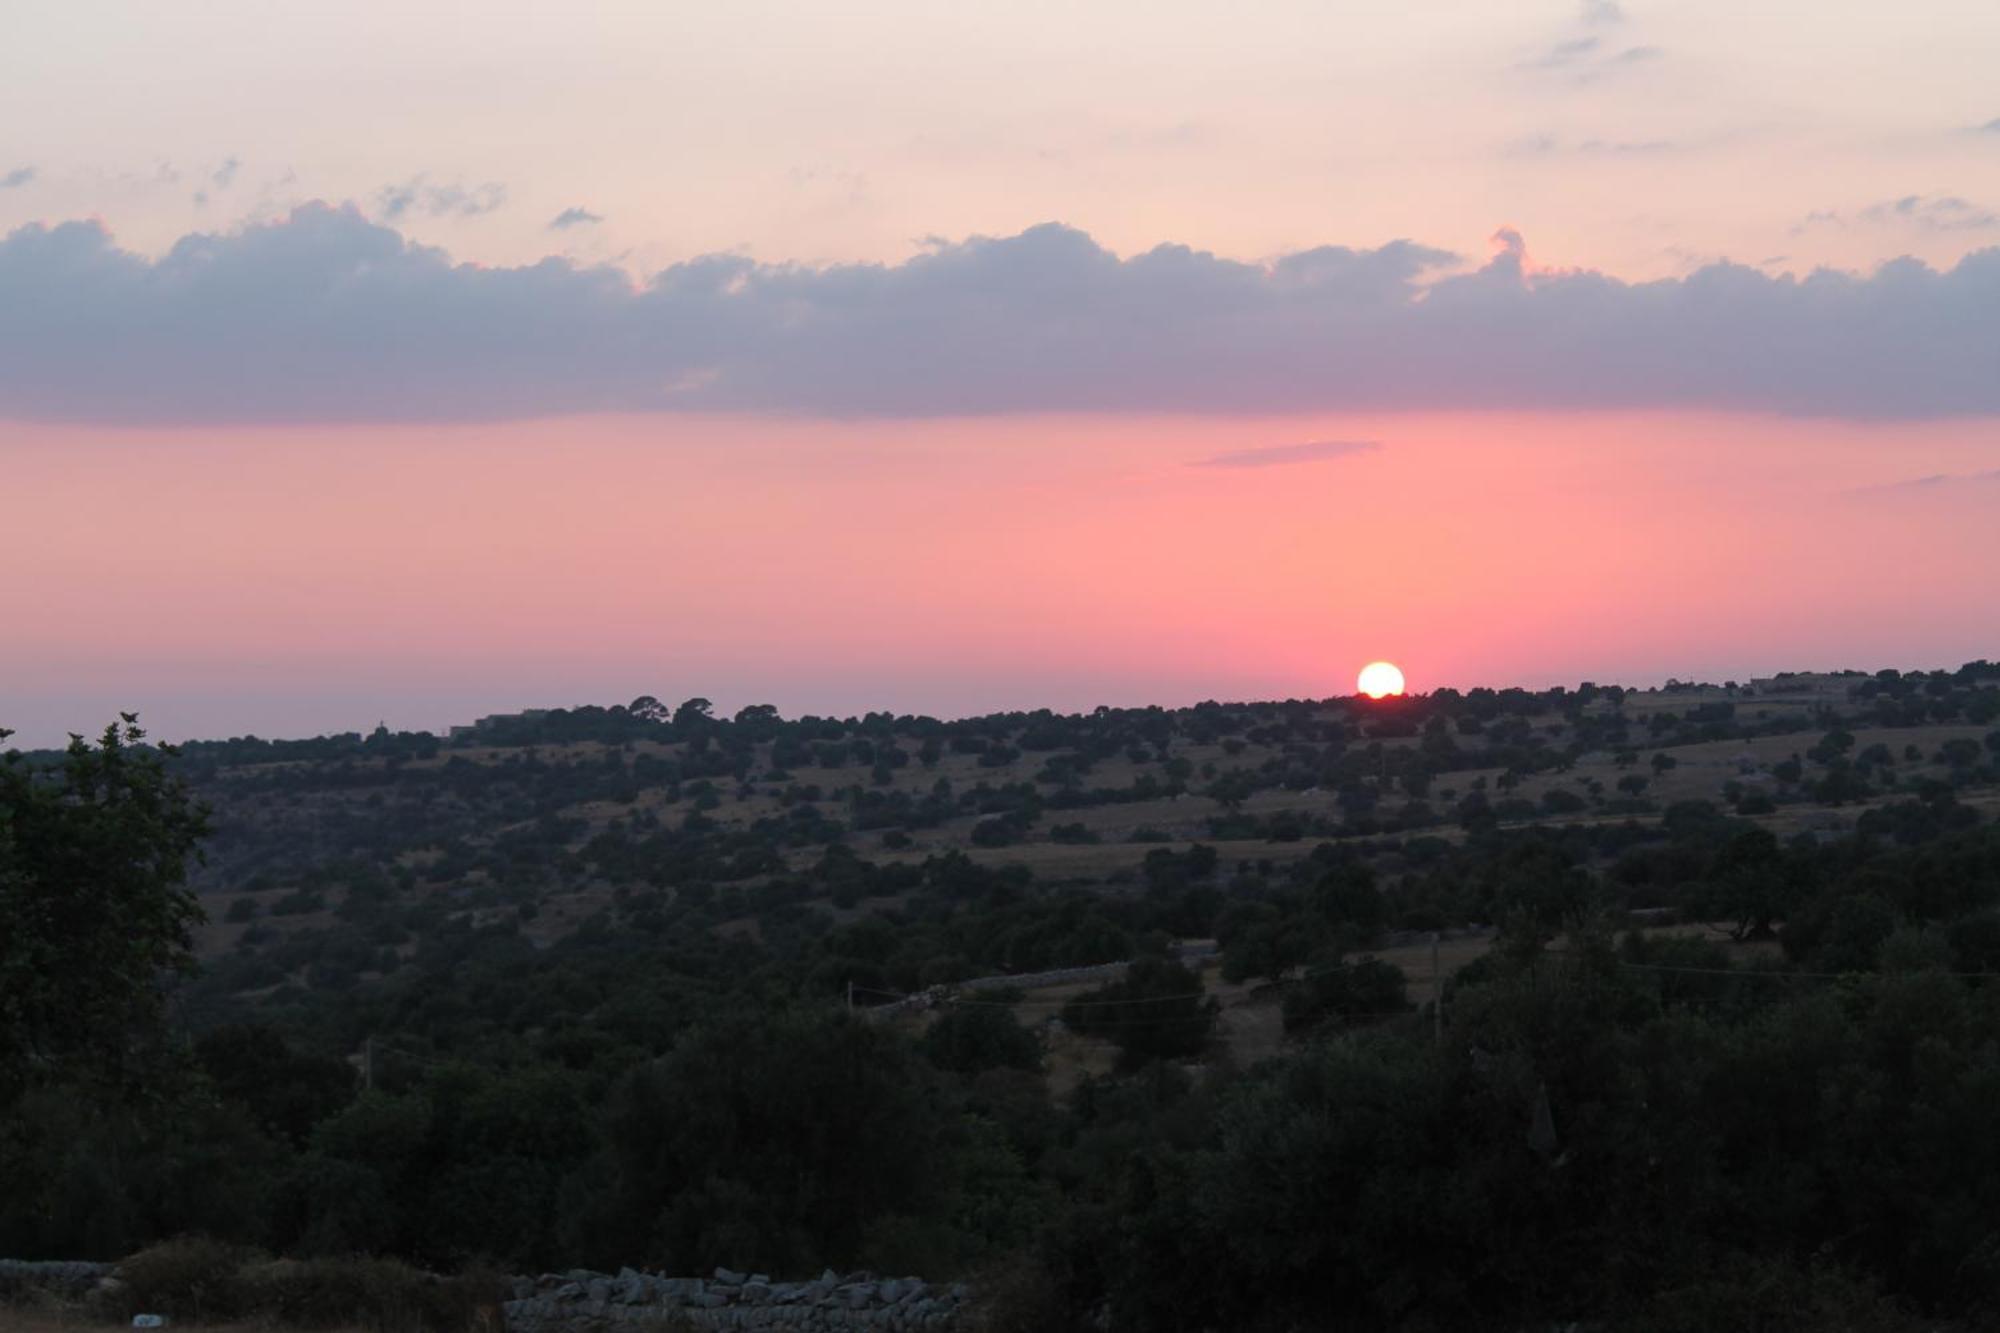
<point>406,362</point>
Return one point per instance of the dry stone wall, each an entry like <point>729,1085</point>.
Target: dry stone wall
<point>581,1301</point>
<point>62,1277</point>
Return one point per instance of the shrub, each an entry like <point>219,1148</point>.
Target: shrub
<point>194,1278</point>
<point>190,1278</point>
<point>376,1294</point>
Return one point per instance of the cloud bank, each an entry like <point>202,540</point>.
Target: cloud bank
<point>327,316</point>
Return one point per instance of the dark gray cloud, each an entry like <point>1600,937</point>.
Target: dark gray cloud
<point>418,196</point>
<point>574,217</point>
<point>225,175</point>
<point>1991,126</point>
<point>327,316</point>
<point>1280,454</point>
<point>16,178</point>
<point>1603,11</point>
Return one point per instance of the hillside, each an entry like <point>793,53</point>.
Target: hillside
<point>613,818</point>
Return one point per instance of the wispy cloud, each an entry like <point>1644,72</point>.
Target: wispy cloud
<point>1281,454</point>
<point>1927,212</point>
<point>1566,54</point>
<point>16,178</point>
<point>419,196</point>
<point>1937,481</point>
<point>1549,145</point>
<point>574,217</point>
<point>1936,212</point>
<point>1588,54</point>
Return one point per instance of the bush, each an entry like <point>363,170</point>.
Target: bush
<point>194,1278</point>
<point>376,1294</point>
<point>190,1278</point>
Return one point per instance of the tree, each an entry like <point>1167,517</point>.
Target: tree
<point>94,897</point>
<point>1158,1011</point>
<point>769,1140</point>
<point>972,1038</point>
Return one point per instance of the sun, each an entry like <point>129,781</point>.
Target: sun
<point>1379,680</point>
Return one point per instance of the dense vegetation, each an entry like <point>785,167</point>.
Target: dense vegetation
<point>497,999</point>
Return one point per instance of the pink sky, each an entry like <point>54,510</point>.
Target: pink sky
<point>407,360</point>
<point>288,581</point>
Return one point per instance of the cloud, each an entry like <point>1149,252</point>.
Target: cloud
<point>1281,454</point>
<point>1991,126</point>
<point>1564,54</point>
<point>1938,213</point>
<point>328,316</point>
<point>223,176</point>
<point>574,217</point>
<point>1937,482</point>
<point>1588,55</point>
<point>1928,212</point>
<point>419,196</point>
<point>1548,145</point>
<point>16,178</point>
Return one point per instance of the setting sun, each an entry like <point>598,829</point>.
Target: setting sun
<point>1380,679</point>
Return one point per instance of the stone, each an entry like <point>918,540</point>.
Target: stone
<point>729,1277</point>
<point>756,1292</point>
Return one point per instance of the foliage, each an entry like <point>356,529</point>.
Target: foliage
<point>93,891</point>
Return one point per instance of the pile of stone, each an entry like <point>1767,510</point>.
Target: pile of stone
<point>581,1300</point>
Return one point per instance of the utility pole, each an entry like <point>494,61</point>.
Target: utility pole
<point>1437,993</point>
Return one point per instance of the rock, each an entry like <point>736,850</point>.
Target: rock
<point>756,1292</point>
<point>858,1295</point>
<point>729,1277</point>
<point>570,1291</point>
<point>598,1291</point>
